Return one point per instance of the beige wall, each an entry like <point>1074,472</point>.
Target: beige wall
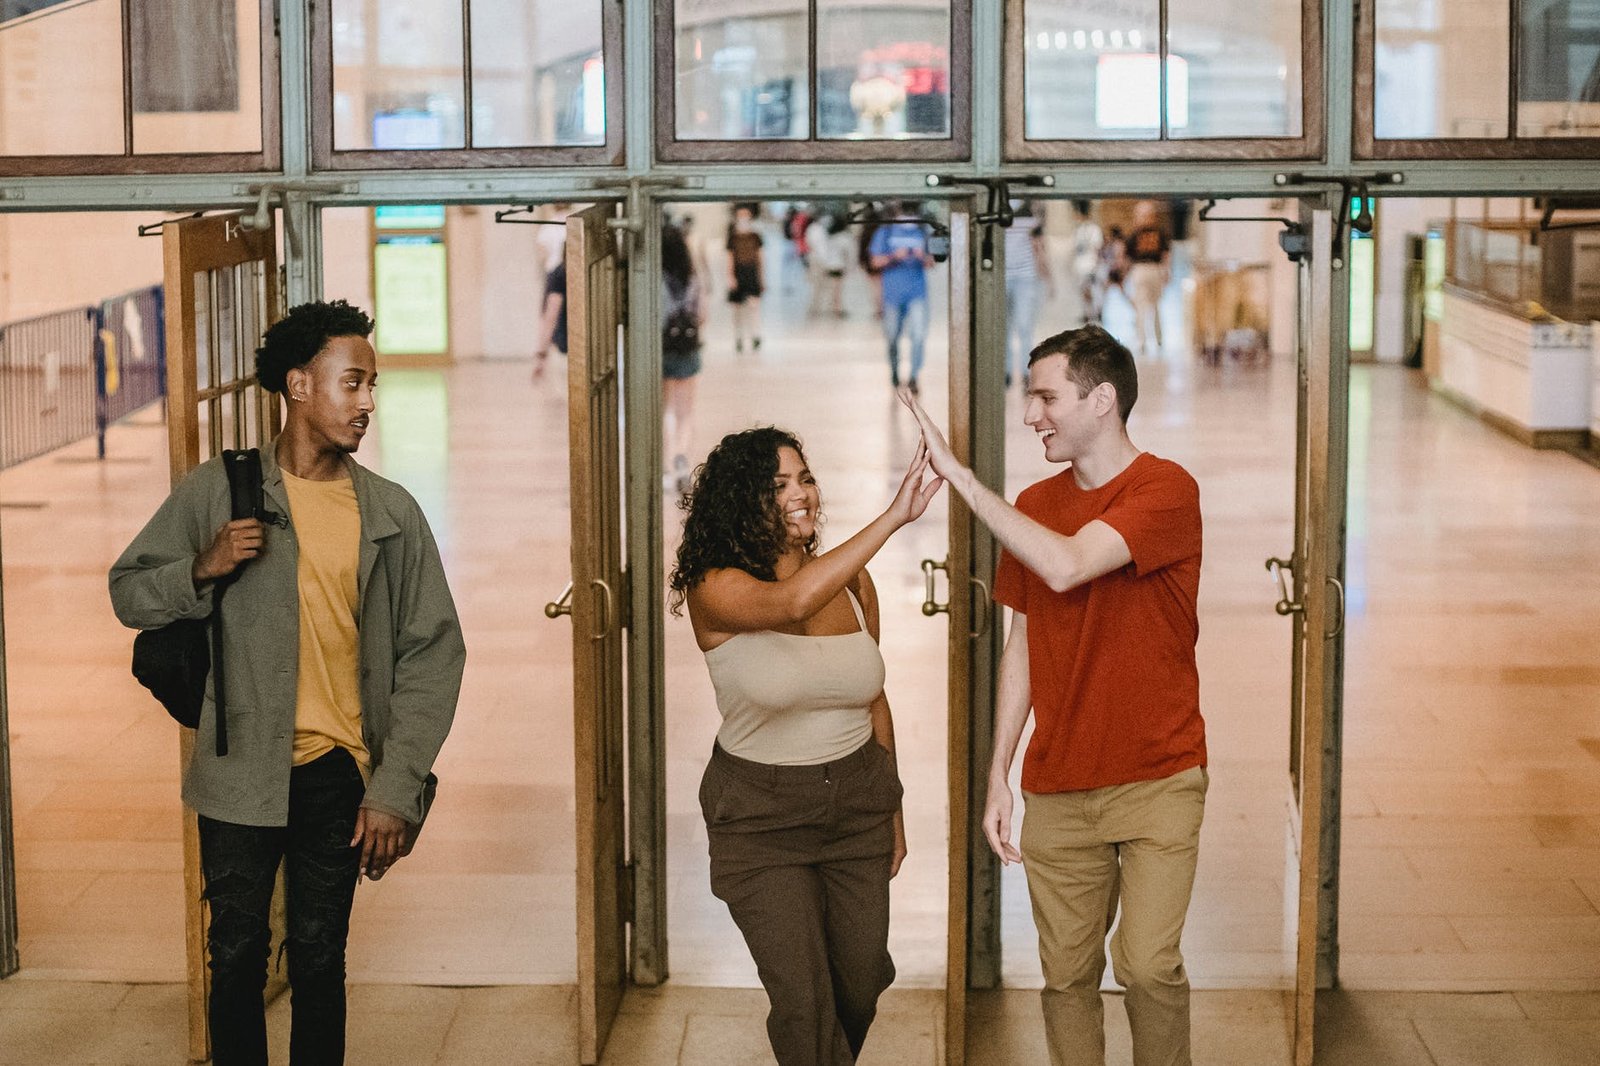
<point>495,279</point>
<point>53,262</point>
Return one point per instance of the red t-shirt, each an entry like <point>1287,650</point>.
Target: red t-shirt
<point>1116,693</point>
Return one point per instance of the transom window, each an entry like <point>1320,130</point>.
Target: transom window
<point>1145,79</point>
<point>431,83</point>
<point>813,79</point>
<point>157,86</point>
<point>1478,78</point>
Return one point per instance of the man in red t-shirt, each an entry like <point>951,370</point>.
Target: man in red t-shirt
<point>1102,569</point>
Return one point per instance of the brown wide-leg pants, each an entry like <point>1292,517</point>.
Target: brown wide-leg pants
<point>800,854</point>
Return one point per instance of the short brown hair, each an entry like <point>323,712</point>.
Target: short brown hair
<point>1094,357</point>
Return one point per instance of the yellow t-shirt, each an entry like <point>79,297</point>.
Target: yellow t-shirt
<point>327,523</point>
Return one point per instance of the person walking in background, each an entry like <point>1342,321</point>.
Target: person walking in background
<point>1147,251</point>
<point>682,319</point>
<point>551,240</point>
<point>552,317</point>
<point>864,235</point>
<point>831,246</point>
<point>900,251</point>
<point>746,277</point>
<point>1087,239</point>
<point>801,798</point>
<point>1028,281</point>
<point>696,244</point>
<point>344,659</point>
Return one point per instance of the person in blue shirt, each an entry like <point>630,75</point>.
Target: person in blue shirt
<point>899,250</point>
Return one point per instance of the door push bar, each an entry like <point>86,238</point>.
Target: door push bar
<point>931,606</point>
<point>1286,605</point>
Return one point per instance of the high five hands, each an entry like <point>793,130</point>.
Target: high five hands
<point>918,487</point>
<point>940,456</point>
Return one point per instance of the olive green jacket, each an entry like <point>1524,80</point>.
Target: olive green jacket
<point>412,653</point>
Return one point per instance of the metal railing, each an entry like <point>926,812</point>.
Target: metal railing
<point>67,375</point>
<point>130,356</point>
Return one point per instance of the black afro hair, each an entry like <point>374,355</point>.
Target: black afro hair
<point>296,338</point>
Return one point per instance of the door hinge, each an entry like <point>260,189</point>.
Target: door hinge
<point>627,881</point>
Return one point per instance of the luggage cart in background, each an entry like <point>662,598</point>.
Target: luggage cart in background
<point>1232,314</point>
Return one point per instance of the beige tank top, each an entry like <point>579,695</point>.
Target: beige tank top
<point>796,700</point>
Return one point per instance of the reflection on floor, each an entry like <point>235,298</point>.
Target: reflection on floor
<point>1472,812</point>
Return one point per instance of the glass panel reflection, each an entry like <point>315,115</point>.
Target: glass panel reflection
<point>1236,63</point>
<point>1094,75</point>
<point>1442,68</point>
<point>1558,78</point>
<point>44,110</point>
<point>883,72</point>
<point>742,77</point>
<point>538,77</point>
<point>196,76</point>
<point>398,78</point>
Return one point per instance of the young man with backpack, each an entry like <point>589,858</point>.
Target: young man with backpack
<point>343,658</point>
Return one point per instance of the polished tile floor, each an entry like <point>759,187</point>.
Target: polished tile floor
<point>1471,855</point>
<point>85,1024</point>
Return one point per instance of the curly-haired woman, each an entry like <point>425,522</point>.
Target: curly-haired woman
<point>801,797</point>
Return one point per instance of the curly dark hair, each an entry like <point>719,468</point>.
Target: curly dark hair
<point>731,516</point>
<point>296,338</point>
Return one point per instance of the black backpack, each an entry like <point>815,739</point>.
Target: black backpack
<point>680,334</point>
<point>173,661</point>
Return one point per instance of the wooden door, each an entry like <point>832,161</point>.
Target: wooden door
<point>221,283</point>
<point>599,596</point>
<point>1314,601</point>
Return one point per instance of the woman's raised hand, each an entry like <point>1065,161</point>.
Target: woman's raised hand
<point>919,486</point>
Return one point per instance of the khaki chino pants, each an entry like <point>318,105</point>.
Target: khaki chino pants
<point>1085,853</point>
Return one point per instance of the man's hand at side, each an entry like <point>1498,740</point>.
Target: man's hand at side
<point>997,820</point>
<point>379,835</point>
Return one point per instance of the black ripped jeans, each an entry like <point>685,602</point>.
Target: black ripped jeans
<point>240,863</point>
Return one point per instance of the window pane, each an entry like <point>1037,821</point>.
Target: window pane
<point>537,73</point>
<point>397,74</point>
<point>44,110</point>
<point>1442,68</point>
<point>742,78</point>
<point>196,76</point>
<point>1235,69</point>
<point>1092,75</point>
<point>1559,76</point>
<point>883,72</point>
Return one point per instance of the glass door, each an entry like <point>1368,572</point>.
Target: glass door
<point>221,280</point>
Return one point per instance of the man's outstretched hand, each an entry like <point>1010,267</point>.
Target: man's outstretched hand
<point>943,460</point>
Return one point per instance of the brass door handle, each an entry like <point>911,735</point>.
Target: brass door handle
<point>561,604</point>
<point>1338,587</point>
<point>1278,568</point>
<point>930,604</point>
<point>607,610</point>
<point>983,609</point>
